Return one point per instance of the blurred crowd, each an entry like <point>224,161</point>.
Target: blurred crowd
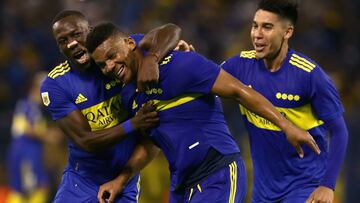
<point>327,31</point>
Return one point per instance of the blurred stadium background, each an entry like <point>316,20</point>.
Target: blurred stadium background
<point>328,31</point>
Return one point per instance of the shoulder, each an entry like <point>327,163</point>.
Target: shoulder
<point>242,57</point>
<point>59,70</point>
<point>303,63</point>
<point>56,76</point>
<point>184,58</point>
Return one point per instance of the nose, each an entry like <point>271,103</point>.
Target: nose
<point>72,44</point>
<point>257,33</point>
<point>108,67</point>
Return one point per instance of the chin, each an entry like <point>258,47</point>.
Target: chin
<point>259,55</point>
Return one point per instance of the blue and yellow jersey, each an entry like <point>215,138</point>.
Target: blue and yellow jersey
<point>24,162</point>
<point>98,98</point>
<point>27,115</point>
<point>306,96</point>
<point>191,119</point>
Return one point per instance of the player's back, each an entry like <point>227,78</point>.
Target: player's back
<point>97,97</point>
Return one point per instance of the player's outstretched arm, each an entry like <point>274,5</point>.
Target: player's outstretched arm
<point>228,87</point>
<point>76,127</point>
<point>338,134</point>
<point>144,152</point>
<point>158,42</point>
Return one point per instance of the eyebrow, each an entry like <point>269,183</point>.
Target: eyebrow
<point>263,23</point>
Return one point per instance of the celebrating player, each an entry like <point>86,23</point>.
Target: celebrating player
<point>86,105</point>
<point>204,159</point>
<point>305,95</point>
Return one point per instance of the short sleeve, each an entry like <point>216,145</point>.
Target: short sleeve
<point>231,65</point>
<point>55,99</point>
<point>194,73</point>
<point>137,37</point>
<point>324,96</point>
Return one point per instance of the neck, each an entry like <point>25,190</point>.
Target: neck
<point>274,63</point>
<point>138,57</point>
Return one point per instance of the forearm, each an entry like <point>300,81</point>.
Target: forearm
<point>337,147</point>
<point>229,87</point>
<point>143,154</point>
<point>95,140</point>
<point>160,41</point>
<point>258,104</point>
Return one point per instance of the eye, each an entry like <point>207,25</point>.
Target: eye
<point>77,34</point>
<point>268,27</point>
<point>61,41</point>
<point>111,55</point>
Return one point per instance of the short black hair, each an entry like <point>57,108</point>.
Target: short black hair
<point>100,33</point>
<point>66,13</point>
<point>284,8</point>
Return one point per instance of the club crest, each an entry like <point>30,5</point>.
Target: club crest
<point>45,98</point>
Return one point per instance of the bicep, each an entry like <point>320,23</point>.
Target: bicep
<point>159,33</point>
<point>324,96</point>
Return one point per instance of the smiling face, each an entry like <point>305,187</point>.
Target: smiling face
<point>116,59</point>
<point>70,34</point>
<point>270,34</point>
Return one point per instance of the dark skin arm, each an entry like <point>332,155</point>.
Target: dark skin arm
<point>142,155</point>
<point>228,87</point>
<point>76,127</point>
<point>158,42</point>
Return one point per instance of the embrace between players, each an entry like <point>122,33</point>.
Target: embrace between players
<point>121,98</point>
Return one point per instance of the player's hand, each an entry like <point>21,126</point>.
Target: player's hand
<point>148,73</point>
<point>108,191</point>
<point>297,136</point>
<point>321,194</point>
<point>146,117</point>
<point>184,46</point>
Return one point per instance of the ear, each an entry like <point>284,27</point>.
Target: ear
<point>289,31</point>
<point>131,43</point>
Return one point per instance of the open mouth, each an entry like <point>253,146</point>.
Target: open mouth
<point>120,72</point>
<point>259,47</point>
<point>81,57</point>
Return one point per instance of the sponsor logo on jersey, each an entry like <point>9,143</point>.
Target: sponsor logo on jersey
<point>105,114</point>
<point>80,99</point>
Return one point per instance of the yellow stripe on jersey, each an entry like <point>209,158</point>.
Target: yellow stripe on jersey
<point>199,187</point>
<point>138,189</point>
<point>301,63</point>
<point>300,66</point>
<point>248,54</point>
<point>105,114</point>
<point>177,101</point>
<point>233,181</point>
<point>303,117</point>
<point>308,63</point>
<point>59,70</point>
<point>190,195</point>
<point>20,125</point>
